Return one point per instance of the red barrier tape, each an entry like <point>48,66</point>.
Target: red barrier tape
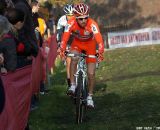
<point>53,52</point>
<point>21,84</point>
<point>18,91</point>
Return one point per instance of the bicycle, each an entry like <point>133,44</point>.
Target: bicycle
<point>81,85</point>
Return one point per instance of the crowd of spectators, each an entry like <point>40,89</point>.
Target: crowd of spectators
<point>23,30</point>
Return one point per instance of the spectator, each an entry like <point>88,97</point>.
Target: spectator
<point>51,27</point>
<point>5,4</point>
<point>42,29</point>
<point>17,17</point>
<point>2,7</point>
<point>42,25</point>
<point>35,8</point>
<point>7,46</point>
<point>27,34</point>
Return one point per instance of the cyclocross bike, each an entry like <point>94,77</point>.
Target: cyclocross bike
<point>81,85</point>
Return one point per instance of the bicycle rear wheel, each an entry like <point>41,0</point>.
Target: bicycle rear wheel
<point>80,106</point>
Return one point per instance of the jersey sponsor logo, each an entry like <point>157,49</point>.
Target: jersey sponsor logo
<point>86,32</point>
<point>76,32</point>
<point>67,27</point>
<point>94,29</point>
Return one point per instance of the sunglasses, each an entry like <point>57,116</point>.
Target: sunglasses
<point>82,18</point>
<point>69,14</point>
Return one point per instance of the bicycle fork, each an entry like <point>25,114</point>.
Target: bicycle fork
<point>84,75</point>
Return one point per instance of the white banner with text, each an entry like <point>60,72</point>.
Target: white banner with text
<point>132,38</point>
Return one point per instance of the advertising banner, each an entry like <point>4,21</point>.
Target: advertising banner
<point>132,38</point>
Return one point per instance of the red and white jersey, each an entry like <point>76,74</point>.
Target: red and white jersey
<point>90,33</point>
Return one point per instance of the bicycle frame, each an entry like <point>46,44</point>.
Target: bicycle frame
<point>81,85</point>
<point>81,66</point>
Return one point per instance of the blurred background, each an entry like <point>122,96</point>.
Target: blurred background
<point>112,15</point>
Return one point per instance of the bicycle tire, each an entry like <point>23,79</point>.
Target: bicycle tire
<point>80,107</point>
<point>84,100</point>
<point>85,91</point>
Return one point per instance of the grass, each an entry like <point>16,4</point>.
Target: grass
<point>127,95</point>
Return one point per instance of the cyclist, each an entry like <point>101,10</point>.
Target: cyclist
<point>62,22</point>
<point>86,35</point>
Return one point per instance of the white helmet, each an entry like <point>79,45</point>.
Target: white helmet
<point>68,9</point>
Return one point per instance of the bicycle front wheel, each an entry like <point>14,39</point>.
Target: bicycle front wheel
<point>80,107</point>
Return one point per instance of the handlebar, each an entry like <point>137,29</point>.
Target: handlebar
<point>83,55</point>
<point>80,55</point>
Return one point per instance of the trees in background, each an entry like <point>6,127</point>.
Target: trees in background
<point>114,15</point>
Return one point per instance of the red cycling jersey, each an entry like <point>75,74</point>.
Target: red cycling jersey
<point>84,38</point>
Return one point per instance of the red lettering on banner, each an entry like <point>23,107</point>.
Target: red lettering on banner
<point>139,37</point>
<point>156,35</point>
<point>131,37</point>
<point>126,39</point>
<point>115,40</point>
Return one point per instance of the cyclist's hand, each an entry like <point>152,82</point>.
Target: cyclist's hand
<point>61,53</point>
<point>59,44</point>
<point>1,58</point>
<point>100,57</point>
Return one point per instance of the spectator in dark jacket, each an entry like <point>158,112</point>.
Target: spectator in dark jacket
<point>27,34</point>
<point>7,46</point>
<point>2,7</point>
<point>35,8</point>
<point>51,27</point>
<point>17,17</point>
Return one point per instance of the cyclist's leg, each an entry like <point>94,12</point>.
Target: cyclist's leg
<point>73,67</point>
<point>68,62</point>
<point>76,48</point>
<point>91,67</point>
<point>91,83</point>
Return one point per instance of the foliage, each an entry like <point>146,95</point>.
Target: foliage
<point>63,2</point>
<point>48,5</point>
<point>116,15</point>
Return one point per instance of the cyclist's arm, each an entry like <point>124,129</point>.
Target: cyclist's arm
<point>60,28</point>
<point>100,42</point>
<point>59,34</point>
<point>66,36</point>
<point>98,37</point>
<point>59,31</point>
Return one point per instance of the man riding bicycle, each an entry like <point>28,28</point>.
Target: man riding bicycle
<point>62,22</point>
<point>86,35</point>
